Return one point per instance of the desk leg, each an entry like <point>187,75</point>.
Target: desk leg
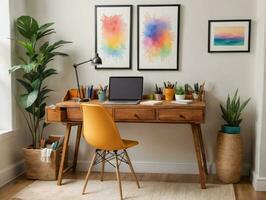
<point>77,147</point>
<point>203,152</point>
<point>199,155</point>
<point>63,157</point>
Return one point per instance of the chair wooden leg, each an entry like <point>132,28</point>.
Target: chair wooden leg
<point>103,164</point>
<point>118,176</point>
<point>89,171</point>
<point>131,168</point>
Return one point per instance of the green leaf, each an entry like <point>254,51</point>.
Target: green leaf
<point>48,73</point>
<point>244,105</point>
<point>14,68</point>
<point>36,84</point>
<point>27,68</point>
<point>45,33</point>
<point>45,26</point>
<point>30,67</point>
<point>44,47</point>
<point>27,26</point>
<point>22,60</point>
<point>26,100</point>
<point>43,92</point>
<point>28,46</point>
<point>25,84</point>
<point>41,111</point>
<point>60,54</point>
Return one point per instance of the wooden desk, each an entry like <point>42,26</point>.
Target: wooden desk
<point>69,112</point>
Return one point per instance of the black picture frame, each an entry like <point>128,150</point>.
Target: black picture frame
<point>130,35</point>
<point>138,36</point>
<point>225,21</point>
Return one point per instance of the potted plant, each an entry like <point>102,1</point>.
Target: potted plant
<point>102,93</point>
<point>169,91</point>
<point>229,143</point>
<point>158,93</point>
<point>180,93</point>
<point>34,73</point>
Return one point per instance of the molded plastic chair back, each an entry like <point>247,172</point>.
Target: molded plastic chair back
<point>99,129</point>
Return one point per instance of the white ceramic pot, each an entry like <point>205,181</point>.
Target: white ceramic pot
<point>179,97</point>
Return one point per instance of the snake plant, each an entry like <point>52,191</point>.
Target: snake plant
<point>34,71</point>
<point>231,113</point>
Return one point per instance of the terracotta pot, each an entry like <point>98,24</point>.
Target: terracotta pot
<point>229,158</point>
<point>169,94</point>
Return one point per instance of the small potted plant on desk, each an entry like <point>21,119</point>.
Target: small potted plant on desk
<point>102,93</point>
<point>158,93</point>
<point>34,72</point>
<point>229,143</point>
<point>180,93</point>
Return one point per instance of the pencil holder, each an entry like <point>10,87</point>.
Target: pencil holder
<point>158,97</point>
<point>102,96</point>
<point>169,94</point>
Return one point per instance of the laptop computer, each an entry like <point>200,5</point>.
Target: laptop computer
<point>125,90</point>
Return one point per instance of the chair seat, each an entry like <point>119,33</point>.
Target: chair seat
<point>130,143</point>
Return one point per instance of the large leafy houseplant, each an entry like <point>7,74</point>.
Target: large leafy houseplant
<point>231,113</point>
<point>38,53</point>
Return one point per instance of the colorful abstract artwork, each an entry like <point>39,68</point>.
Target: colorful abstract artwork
<point>158,34</point>
<point>229,35</point>
<point>113,36</point>
<point>157,38</point>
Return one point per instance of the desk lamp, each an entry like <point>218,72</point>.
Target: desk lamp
<point>96,60</point>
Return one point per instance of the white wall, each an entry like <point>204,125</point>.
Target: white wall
<point>12,141</point>
<point>259,160</point>
<point>169,147</point>
<point>5,62</point>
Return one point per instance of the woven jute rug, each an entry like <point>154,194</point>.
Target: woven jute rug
<point>96,190</point>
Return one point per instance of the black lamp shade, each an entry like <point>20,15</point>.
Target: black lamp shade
<point>96,60</point>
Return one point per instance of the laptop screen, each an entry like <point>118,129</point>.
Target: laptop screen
<point>125,88</point>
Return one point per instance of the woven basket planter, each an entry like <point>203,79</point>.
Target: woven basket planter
<point>229,158</point>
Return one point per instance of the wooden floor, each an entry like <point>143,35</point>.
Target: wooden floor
<point>243,190</point>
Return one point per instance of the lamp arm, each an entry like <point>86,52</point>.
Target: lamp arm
<point>77,77</point>
<point>78,64</point>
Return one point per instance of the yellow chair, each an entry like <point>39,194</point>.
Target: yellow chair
<point>100,131</point>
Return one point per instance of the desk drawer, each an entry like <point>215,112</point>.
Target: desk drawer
<point>74,114</point>
<point>55,115</point>
<point>134,114</point>
<point>181,115</point>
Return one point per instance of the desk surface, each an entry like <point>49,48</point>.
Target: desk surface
<point>166,104</point>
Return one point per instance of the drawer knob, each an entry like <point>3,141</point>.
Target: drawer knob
<point>182,116</point>
<point>136,115</point>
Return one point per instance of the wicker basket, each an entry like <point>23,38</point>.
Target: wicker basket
<point>37,169</point>
<point>229,157</point>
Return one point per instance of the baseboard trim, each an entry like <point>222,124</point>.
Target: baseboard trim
<point>259,183</point>
<point>159,167</point>
<point>148,167</point>
<point>10,173</point>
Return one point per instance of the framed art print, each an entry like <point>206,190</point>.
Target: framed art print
<point>113,35</point>
<point>158,37</point>
<point>229,36</point>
